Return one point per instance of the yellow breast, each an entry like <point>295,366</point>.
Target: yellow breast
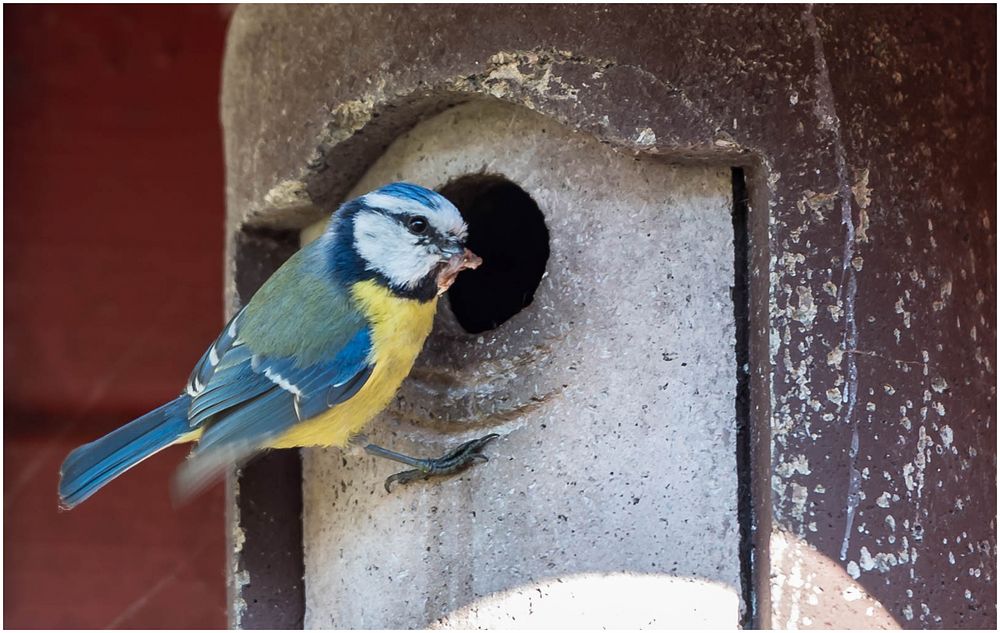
<point>399,329</point>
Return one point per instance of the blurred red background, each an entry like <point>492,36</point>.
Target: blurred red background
<point>113,268</point>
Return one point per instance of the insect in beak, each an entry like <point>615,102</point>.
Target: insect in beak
<point>458,262</point>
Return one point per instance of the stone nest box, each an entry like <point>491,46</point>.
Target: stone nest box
<point>735,329</point>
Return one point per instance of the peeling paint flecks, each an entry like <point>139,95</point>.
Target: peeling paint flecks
<point>862,195</point>
<point>835,357</point>
<point>853,570</point>
<point>901,310</point>
<point>798,464</point>
<point>805,312</point>
<point>946,436</point>
<point>646,138</point>
<point>288,194</point>
<point>527,75</point>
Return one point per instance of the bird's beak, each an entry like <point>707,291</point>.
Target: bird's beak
<point>458,262</point>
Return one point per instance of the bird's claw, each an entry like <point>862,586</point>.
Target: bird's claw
<point>456,460</point>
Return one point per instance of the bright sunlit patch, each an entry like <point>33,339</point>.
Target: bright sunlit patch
<point>597,600</point>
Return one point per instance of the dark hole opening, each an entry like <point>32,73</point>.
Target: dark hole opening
<point>506,229</point>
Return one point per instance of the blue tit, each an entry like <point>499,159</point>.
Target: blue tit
<point>318,351</point>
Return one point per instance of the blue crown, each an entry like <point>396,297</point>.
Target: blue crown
<point>415,193</point>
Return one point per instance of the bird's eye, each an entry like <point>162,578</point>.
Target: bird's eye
<point>417,224</point>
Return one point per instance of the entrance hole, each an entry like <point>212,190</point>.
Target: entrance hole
<point>506,229</point>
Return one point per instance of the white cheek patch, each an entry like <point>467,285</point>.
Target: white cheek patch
<point>448,221</point>
<point>388,248</point>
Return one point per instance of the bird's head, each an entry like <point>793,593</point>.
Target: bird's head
<point>408,238</point>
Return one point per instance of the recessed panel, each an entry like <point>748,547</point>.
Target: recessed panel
<point>611,496</point>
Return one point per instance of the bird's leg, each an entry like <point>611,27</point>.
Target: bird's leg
<point>454,461</point>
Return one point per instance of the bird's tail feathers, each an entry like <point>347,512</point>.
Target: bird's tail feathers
<point>88,468</point>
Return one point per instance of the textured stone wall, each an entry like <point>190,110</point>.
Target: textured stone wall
<point>868,139</point>
<point>613,394</point>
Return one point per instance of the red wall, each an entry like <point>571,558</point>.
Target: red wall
<point>113,236</point>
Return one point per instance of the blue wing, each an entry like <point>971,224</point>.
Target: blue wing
<point>209,361</point>
<point>261,397</point>
<point>243,399</point>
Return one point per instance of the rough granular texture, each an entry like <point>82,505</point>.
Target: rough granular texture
<point>613,393</point>
<point>868,139</point>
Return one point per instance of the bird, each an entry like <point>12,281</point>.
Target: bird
<point>318,351</point>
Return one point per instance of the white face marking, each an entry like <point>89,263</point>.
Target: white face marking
<point>388,247</point>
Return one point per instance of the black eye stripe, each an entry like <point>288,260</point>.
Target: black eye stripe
<point>430,235</point>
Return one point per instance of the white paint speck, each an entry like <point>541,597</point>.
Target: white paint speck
<point>646,137</point>
<point>947,436</point>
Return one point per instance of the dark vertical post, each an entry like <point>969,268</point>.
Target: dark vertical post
<point>750,197</point>
<point>744,465</point>
<point>268,569</point>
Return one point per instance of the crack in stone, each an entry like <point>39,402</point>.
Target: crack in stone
<point>827,114</point>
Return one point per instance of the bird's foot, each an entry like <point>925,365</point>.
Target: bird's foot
<point>455,461</point>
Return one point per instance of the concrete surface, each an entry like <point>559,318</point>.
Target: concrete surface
<point>868,139</point>
<point>613,393</point>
